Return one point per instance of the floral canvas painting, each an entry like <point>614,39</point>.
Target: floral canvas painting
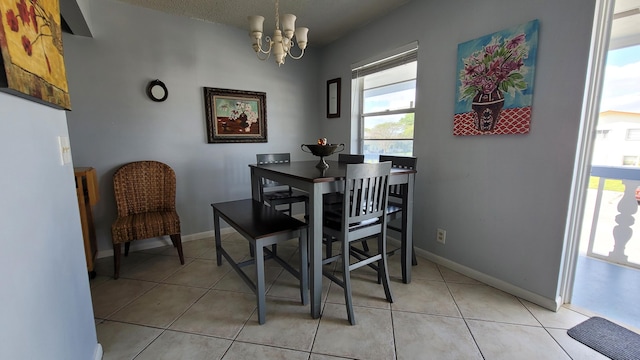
<point>32,62</point>
<point>235,115</point>
<point>494,87</point>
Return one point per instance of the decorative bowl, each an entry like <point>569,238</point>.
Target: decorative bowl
<point>322,151</point>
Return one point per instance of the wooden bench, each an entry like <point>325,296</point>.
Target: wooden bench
<point>262,226</point>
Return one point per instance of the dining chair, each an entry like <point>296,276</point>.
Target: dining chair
<point>362,215</point>
<point>395,204</point>
<point>145,193</point>
<point>275,194</point>
<point>334,199</point>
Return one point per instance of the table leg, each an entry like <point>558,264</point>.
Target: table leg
<point>407,227</point>
<point>315,246</point>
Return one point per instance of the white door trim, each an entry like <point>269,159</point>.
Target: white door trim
<point>601,33</point>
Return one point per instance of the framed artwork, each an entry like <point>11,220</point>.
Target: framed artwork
<point>333,98</point>
<point>32,62</point>
<point>235,116</point>
<point>494,87</point>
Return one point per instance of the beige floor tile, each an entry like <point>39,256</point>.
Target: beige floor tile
<point>112,295</point>
<point>574,348</point>
<point>233,282</point>
<point>285,286</point>
<point>288,325</point>
<point>365,290</point>
<point>325,357</point>
<point>562,319</point>
<point>199,273</point>
<point>424,296</point>
<point>448,338</point>
<point>155,269</point>
<point>508,341</point>
<point>371,338</point>
<point>191,249</point>
<point>99,279</point>
<point>217,313</point>
<point>124,341</point>
<point>173,345</point>
<point>244,351</point>
<point>484,302</point>
<point>104,266</point>
<point>425,269</point>
<point>160,306</point>
<point>451,276</point>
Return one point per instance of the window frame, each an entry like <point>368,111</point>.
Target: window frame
<point>403,56</point>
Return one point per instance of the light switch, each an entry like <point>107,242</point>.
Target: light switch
<point>65,150</point>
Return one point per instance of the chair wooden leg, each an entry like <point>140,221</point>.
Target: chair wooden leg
<point>116,261</point>
<point>177,242</point>
<point>382,265</point>
<point>365,246</point>
<point>346,275</point>
<point>126,248</point>
<point>304,266</point>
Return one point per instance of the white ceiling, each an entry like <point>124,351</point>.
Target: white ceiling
<point>327,20</point>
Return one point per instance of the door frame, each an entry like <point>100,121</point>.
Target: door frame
<point>600,36</point>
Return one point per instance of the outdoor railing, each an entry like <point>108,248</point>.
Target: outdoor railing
<point>627,206</point>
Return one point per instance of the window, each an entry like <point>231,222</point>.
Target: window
<point>633,134</point>
<point>386,92</point>
<point>630,160</point>
<point>602,134</point>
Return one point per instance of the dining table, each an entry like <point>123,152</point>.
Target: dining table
<point>305,176</point>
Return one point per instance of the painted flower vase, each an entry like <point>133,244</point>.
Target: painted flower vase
<point>487,108</point>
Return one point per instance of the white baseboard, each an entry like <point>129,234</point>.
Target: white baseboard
<point>551,304</point>
<point>163,241</point>
<point>97,354</point>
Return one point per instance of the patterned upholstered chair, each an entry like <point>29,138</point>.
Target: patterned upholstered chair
<point>145,193</point>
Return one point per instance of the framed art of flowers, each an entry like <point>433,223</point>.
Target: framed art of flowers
<point>495,82</point>
<point>32,62</point>
<point>235,116</point>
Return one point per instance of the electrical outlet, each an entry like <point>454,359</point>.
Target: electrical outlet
<point>441,235</point>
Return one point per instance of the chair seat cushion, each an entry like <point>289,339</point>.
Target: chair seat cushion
<point>145,225</point>
<point>333,219</point>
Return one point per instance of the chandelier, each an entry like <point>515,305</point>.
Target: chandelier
<point>280,44</point>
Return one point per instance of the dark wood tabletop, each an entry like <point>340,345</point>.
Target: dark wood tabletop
<point>307,170</point>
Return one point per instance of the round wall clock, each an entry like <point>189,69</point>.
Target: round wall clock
<point>157,91</point>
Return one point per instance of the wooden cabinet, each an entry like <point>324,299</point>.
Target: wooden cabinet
<point>87,191</point>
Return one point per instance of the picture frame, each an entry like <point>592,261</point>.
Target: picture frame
<point>235,116</point>
<point>32,61</point>
<point>495,82</point>
<point>333,98</point>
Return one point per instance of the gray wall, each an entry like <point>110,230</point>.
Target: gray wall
<point>502,199</point>
<point>46,304</point>
<point>113,122</point>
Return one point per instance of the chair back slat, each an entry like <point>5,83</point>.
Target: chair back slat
<point>365,196</point>
<point>144,186</point>
<point>279,158</point>
<point>399,162</point>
